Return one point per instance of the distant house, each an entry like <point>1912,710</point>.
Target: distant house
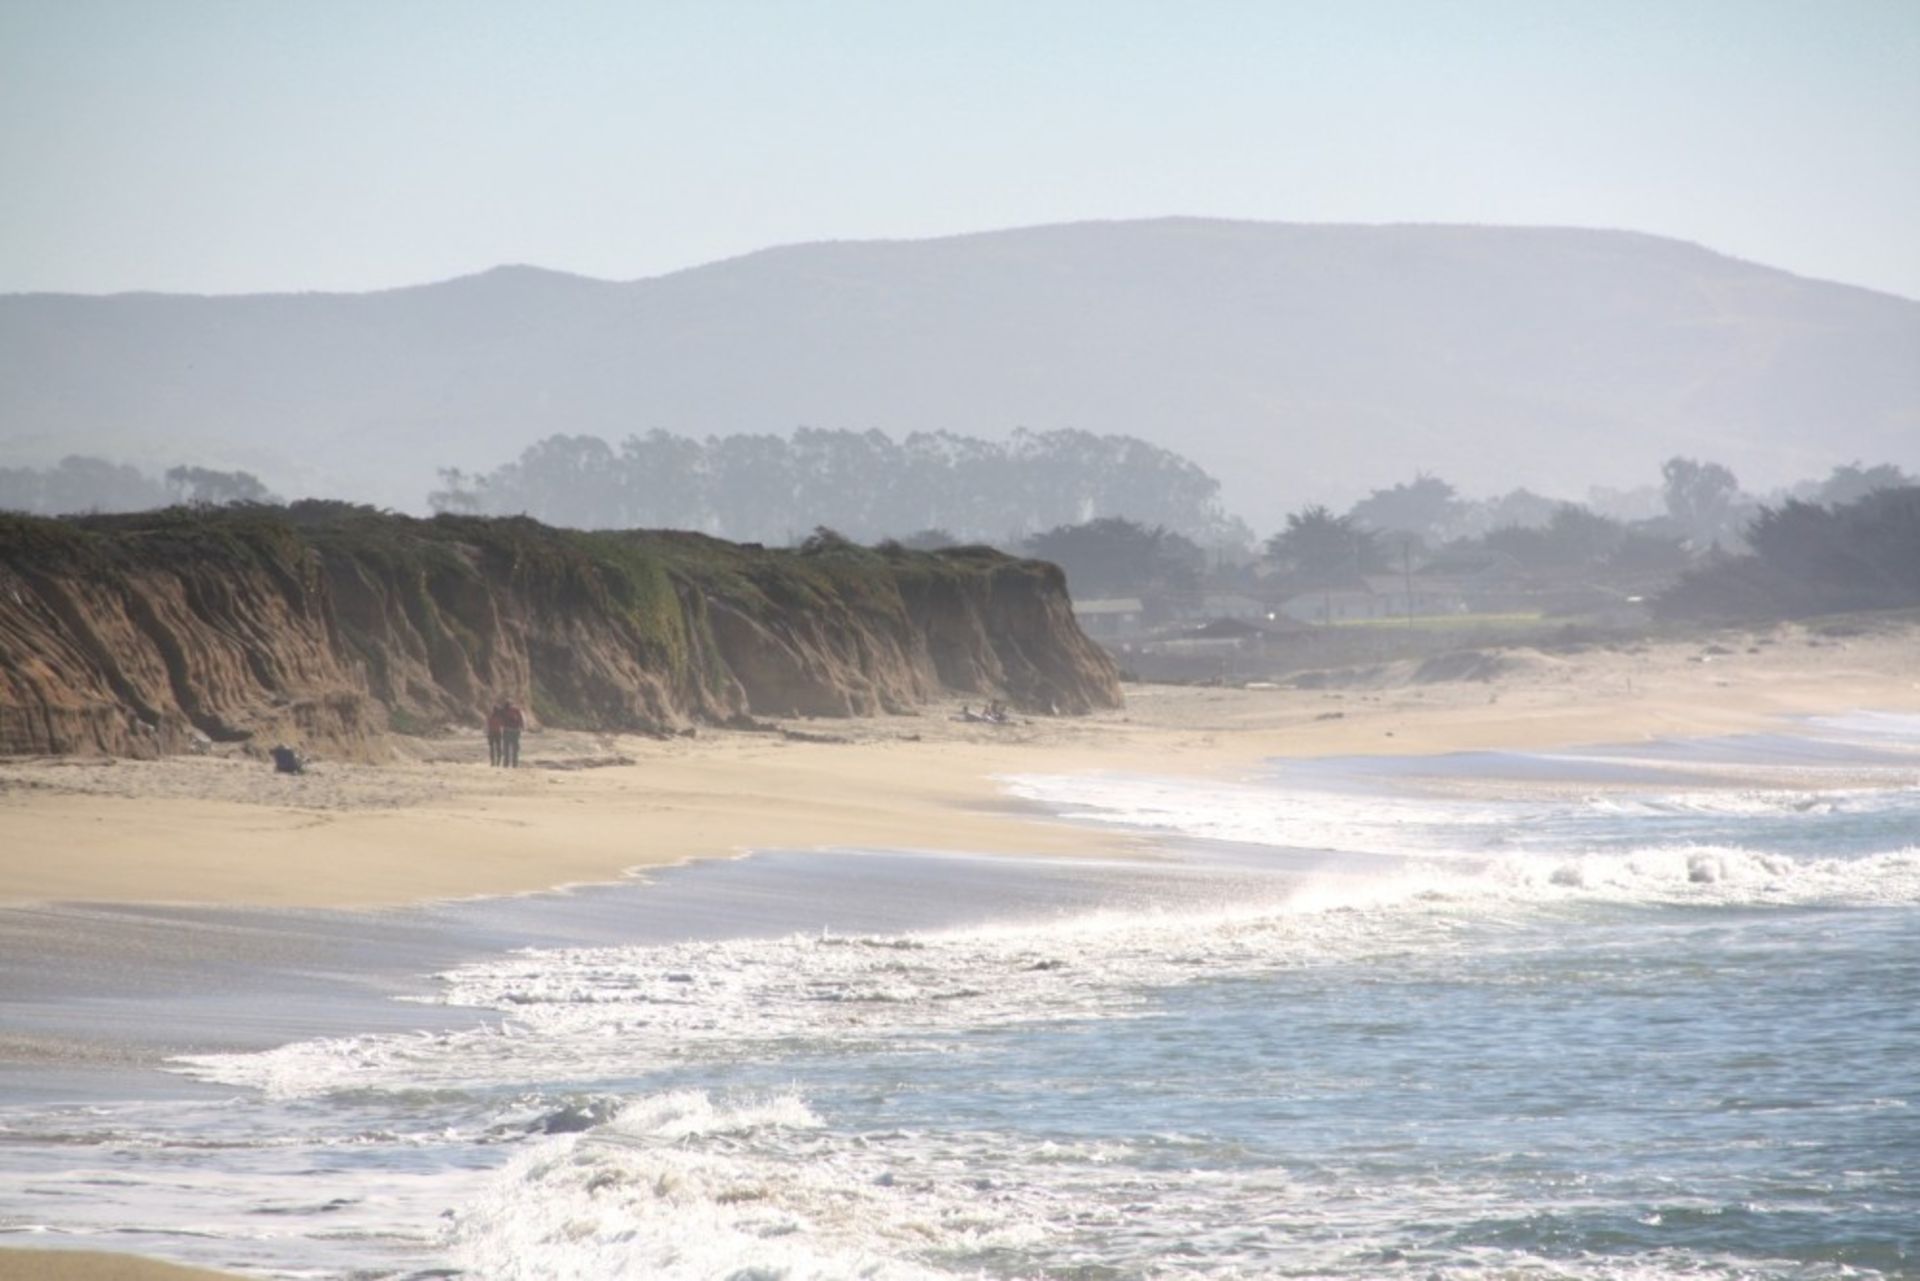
<point>1110,618</point>
<point>1484,581</point>
<point>1333,605</point>
<point>1218,605</point>
<point>1422,595</point>
<point>1377,596</point>
<point>1215,647</point>
<point>1451,583</point>
<point>1225,644</point>
<point>1228,629</point>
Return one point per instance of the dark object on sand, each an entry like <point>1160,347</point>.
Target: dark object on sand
<point>994,713</point>
<point>496,732</point>
<point>512,721</point>
<point>286,760</point>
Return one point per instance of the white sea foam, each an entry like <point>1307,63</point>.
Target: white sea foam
<point>1428,827</point>
<point>678,1186</point>
<point>1753,802</point>
<point>1724,875</point>
<point>770,1193</point>
<point>1253,814</point>
<point>1881,729</point>
<point>594,1013</point>
<point>240,1184</point>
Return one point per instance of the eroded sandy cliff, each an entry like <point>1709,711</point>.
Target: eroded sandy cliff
<point>328,627</point>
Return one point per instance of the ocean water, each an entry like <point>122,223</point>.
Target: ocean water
<point>1619,1013</point>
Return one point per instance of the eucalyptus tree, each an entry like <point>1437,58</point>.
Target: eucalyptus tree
<point>1320,549</point>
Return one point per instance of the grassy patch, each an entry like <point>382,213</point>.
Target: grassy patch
<point>1449,622</point>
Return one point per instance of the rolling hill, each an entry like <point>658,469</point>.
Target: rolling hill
<point>1297,363</point>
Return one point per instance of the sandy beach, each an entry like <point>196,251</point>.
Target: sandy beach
<point>439,824</point>
<point>588,808</point>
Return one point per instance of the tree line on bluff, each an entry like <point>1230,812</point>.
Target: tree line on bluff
<point>865,484</point>
<point>1126,518</point>
<point>81,484</point>
<point>1850,541</point>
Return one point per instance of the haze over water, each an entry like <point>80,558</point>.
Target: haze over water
<point>1615,1014</point>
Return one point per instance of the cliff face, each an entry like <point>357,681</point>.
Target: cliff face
<point>136,644</point>
<point>326,626</point>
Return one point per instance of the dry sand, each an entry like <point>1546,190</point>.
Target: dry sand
<point>586,808</point>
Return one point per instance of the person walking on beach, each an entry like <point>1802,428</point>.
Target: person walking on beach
<point>512,721</point>
<point>496,731</point>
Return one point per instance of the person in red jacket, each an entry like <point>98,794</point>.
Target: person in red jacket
<point>496,731</point>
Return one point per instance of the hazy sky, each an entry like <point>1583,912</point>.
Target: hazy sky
<point>212,146</point>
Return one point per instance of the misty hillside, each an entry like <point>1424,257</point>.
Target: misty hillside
<point>1296,363</point>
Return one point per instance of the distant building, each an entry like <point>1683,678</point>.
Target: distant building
<point>1110,618</point>
<point>1377,596</point>
<point>1235,629</point>
<point>1223,648</point>
<point>1485,581</point>
<point>1396,597</point>
<point>1450,583</point>
<point>1333,605</point>
<point>1220,605</point>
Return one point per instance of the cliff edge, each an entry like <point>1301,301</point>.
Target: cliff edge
<point>329,626</point>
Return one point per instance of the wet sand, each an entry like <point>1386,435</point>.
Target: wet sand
<point>92,1265</point>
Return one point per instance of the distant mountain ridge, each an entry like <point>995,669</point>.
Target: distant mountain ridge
<point>1295,362</point>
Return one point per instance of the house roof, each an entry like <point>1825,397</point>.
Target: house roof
<point>1468,564</point>
<point>1318,596</point>
<point>1109,605</point>
<point>1222,602</point>
<point>1396,585</point>
<point>1225,629</point>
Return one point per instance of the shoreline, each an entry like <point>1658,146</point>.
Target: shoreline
<point>906,783</point>
<point>594,809</point>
